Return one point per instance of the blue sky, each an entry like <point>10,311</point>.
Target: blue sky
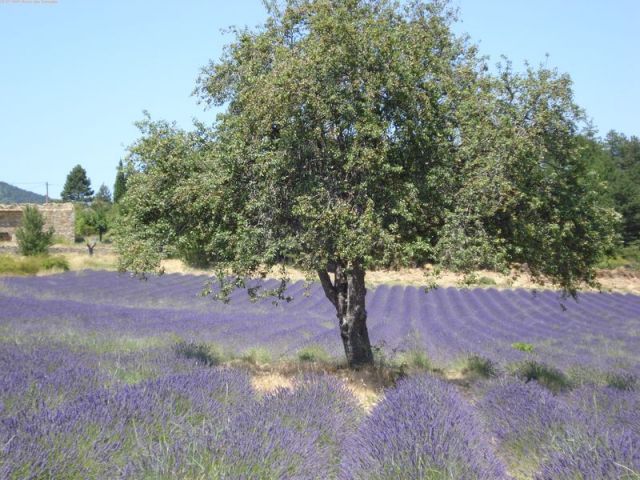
<point>76,74</point>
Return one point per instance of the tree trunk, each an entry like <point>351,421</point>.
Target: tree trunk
<point>347,294</point>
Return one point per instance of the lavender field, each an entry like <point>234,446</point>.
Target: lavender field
<point>92,384</point>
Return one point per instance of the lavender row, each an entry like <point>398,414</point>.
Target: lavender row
<point>201,423</point>
<point>67,414</point>
<point>592,433</point>
<point>599,330</point>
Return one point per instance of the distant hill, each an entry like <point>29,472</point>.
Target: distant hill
<point>11,194</point>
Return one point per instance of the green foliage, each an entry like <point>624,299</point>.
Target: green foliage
<point>51,263</point>
<point>12,265</point>
<point>627,256</point>
<point>523,347</point>
<point>479,366</point>
<point>313,353</point>
<point>546,375</point>
<point>77,187</point>
<point>621,380</point>
<point>31,237</point>
<point>204,353</point>
<point>257,356</point>
<point>94,219</point>
<point>415,359</point>
<point>367,134</point>
<point>103,195</point>
<point>616,162</point>
<point>120,185</point>
<point>631,255</point>
<point>624,181</point>
<point>472,279</point>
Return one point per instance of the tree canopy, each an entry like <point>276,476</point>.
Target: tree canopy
<point>359,134</point>
<point>77,187</point>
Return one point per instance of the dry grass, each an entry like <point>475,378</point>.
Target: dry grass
<point>366,385</point>
<point>617,280</point>
<point>98,261</point>
<point>366,395</point>
<point>620,280</point>
<point>268,382</point>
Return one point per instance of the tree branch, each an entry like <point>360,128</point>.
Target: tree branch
<point>329,289</point>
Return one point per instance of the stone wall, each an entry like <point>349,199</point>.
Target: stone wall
<point>60,216</point>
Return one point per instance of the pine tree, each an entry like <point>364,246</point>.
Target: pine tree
<point>32,239</point>
<point>77,188</point>
<point>120,186</point>
<point>103,195</point>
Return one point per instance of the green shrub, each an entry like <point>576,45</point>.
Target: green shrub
<point>50,263</point>
<point>204,353</point>
<point>313,353</point>
<point>621,380</point>
<point>468,280</point>
<point>523,347</point>
<point>472,279</point>
<point>546,375</point>
<point>479,366</point>
<point>256,356</point>
<point>31,237</point>
<point>12,265</point>
<point>627,257</point>
<point>415,359</point>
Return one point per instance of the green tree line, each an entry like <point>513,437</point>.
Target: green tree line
<point>615,159</point>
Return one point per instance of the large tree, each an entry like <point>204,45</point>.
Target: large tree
<point>359,134</point>
<point>77,187</point>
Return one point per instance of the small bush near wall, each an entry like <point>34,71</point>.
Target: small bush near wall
<point>31,236</point>
<point>13,265</point>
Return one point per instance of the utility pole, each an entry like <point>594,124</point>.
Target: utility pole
<point>46,197</point>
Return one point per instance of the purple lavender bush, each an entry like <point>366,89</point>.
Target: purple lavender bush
<point>524,418</point>
<point>108,434</point>
<point>37,376</point>
<point>602,439</point>
<point>590,433</point>
<point>422,429</point>
<point>323,407</point>
<point>610,406</point>
<point>288,434</point>
<point>594,453</point>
